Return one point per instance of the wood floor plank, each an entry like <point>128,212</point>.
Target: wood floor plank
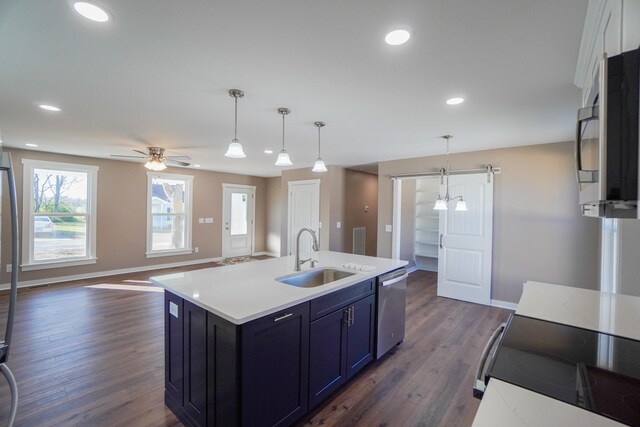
<point>95,357</point>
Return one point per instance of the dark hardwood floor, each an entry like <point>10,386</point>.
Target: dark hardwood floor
<point>86,356</point>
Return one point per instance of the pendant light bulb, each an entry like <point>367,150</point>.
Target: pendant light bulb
<point>283,157</point>
<point>235,150</point>
<point>319,165</point>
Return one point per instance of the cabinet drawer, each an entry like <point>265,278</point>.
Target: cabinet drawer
<point>334,301</point>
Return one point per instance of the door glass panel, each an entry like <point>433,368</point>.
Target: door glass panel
<point>239,208</point>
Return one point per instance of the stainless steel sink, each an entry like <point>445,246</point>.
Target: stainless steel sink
<point>313,278</point>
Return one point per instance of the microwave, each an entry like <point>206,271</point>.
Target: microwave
<point>607,140</point>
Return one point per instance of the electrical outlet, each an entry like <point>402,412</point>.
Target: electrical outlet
<point>388,228</point>
<point>338,224</point>
<point>9,268</point>
<point>196,249</point>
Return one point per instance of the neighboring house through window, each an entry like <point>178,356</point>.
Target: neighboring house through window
<point>169,214</point>
<point>59,214</point>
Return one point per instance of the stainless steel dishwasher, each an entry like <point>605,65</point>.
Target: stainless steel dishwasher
<point>392,309</point>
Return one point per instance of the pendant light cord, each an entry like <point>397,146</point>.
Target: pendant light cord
<point>448,166</point>
<point>283,132</point>
<point>319,156</point>
<point>235,129</point>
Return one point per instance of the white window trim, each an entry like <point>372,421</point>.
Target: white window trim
<point>188,217</point>
<point>28,264</point>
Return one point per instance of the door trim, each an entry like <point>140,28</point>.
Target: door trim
<point>253,215</point>
<point>293,184</point>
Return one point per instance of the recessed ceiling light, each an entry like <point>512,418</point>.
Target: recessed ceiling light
<point>49,107</point>
<point>28,144</point>
<point>268,151</point>
<point>196,166</point>
<point>91,11</point>
<point>397,37</point>
<point>455,101</point>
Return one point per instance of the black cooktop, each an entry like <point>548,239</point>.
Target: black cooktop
<point>592,370</point>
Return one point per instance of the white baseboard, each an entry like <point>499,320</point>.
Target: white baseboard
<point>271,254</point>
<point>412,269</point>
<point>504,304</point>
<point>92,275</point>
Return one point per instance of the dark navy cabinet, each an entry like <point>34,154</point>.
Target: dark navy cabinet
<point>269,371</point>
<point>341,342</point>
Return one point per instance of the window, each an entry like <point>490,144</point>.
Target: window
<point>169,214</point>
<point>59,214</point>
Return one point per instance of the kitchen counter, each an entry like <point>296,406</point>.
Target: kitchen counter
<point>505,404</point>
<point>613,314</point>
<point>248,291</point>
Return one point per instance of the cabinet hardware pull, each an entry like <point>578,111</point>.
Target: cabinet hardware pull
<point>277,319</point>
<point>441,241</point>
<point>353,315</point>
<point>347,314</point>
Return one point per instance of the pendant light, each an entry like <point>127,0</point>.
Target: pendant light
<point>235,148</point>
<point>443,201</point>
<point>319,165</point>
<point>283,157</point>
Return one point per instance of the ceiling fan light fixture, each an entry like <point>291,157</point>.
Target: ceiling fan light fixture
<point>235,150</point>
<point>155,165</point>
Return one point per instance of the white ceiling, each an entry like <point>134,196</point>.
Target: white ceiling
<point>159,75</point>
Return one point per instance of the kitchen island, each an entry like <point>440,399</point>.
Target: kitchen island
<point>243,348</point>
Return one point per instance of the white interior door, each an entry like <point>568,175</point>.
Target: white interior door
<point>304,211</point>
<point>238,222</point>
<point>464,255</point>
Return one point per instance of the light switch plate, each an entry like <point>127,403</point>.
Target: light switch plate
<point>388,228</point>
<point>320,224</point>
<point>200,220</point>
<point>208,220</point>
<point>173,309</point>
<point>338,224</point>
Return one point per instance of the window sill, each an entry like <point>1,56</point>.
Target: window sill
<point>157,254</point>
<point>57,264</point>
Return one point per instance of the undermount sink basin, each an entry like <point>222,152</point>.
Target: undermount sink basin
<point>313,278</point>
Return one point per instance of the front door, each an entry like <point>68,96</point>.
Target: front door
<point>465,241</point>
<point>237,220</point>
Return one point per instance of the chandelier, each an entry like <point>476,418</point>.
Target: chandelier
<point>442,204</point>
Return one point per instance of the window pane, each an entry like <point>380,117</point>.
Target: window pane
<point>167,196</point>
<point>56,191</point>
<point>59,237</point>
<point>239,206</point>
<point>168,232</point>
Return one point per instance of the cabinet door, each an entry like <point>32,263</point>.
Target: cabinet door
<point>195,362</point>
<point>328,349</point>
<point>275,368</point>
<point>360,335</point>
<point>173,348</point>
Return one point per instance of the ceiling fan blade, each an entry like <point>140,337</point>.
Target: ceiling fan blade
<point>178,162</point>
<point>142,152</point>
<point>178,157</point>
<point>129,157</point>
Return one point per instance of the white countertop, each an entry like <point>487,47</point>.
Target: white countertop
<point>244,292</point>
<point>507,405</point>
<point>613,314</point>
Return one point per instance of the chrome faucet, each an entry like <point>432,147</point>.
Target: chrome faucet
<point>314,247</point>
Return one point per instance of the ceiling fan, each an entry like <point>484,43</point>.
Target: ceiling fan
<point>156,159</point>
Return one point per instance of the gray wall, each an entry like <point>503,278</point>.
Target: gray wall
<point>629,251</point>
<point>361,190</point>
<point>539,233</point>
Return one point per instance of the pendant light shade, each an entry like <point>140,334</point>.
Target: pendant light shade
<point>440,205</point>
<point>319,165</point>
<point>235,150</point>
<point>461,205</point>
<point>283,157</point>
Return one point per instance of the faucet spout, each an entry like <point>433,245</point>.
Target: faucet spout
<point>314,246</point>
